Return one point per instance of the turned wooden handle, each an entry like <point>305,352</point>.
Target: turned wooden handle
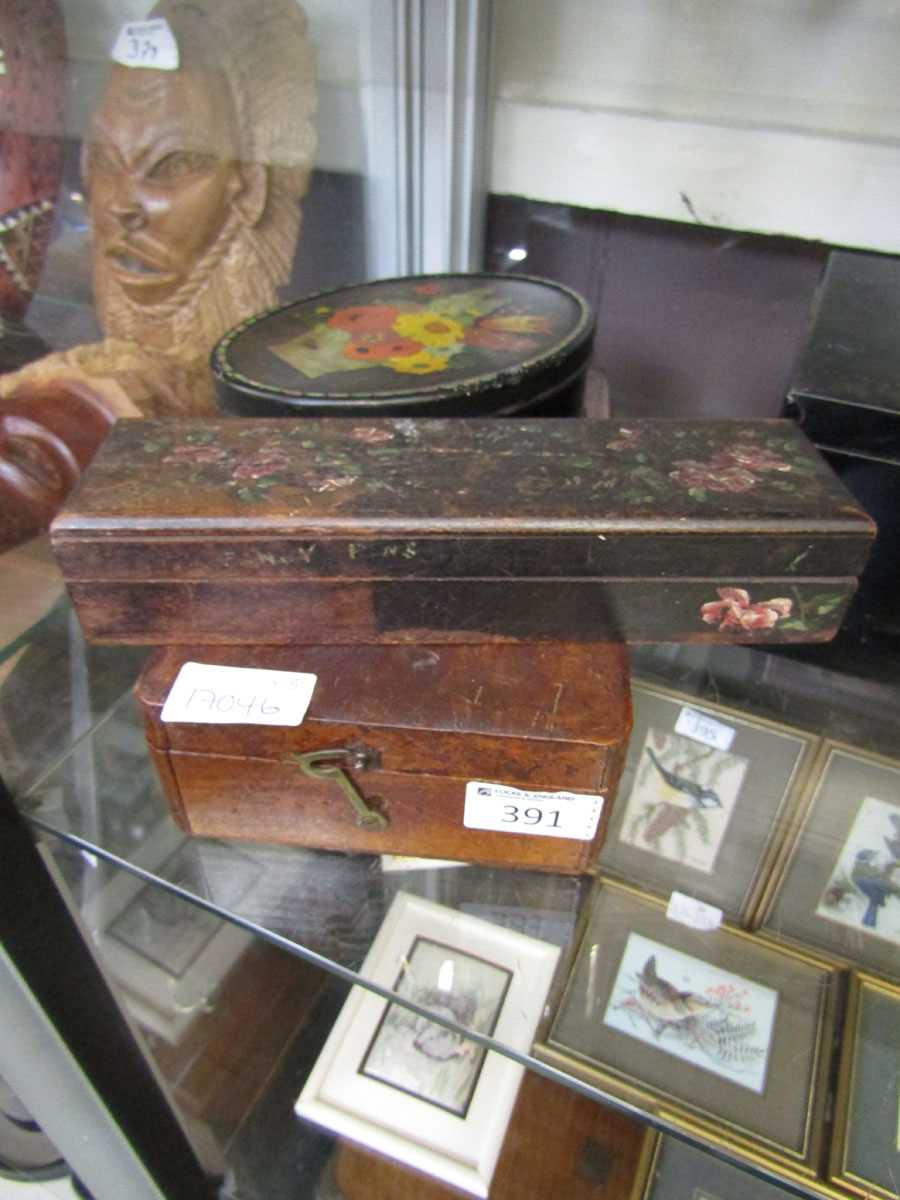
<point>48,435</point>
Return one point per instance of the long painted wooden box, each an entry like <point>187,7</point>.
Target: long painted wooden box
<point>493,754</point>
<point>457,530</point>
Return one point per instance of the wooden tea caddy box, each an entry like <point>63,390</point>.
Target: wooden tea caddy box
<point>335,531</point>
<point>409,727</point>
<point>460,588</point>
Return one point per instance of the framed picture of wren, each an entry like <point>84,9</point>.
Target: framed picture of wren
<point>865,1149</point>
<point>717,1033</point>
<point>705,796</point>
<point>837,886</point>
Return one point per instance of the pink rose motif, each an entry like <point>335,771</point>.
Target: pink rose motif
<point>733,610</point>
<point>196,454</point>
<point>753,458</point>
<point>371,434</point>
<point>263,462</point>
<point>712,478</point>
<point>630,440</point>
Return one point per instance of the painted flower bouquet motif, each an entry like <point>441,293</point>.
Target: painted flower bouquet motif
<point>863,890</point>
<point>423,334</point>
<point>250,466</point>
<point>700,469</point>
<point>693,1010</point>
<point>735,611</point>
<point>682,800</point>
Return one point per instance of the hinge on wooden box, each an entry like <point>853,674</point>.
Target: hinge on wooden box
<point>333,764</point>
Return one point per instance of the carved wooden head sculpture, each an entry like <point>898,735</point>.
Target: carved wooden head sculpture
<point>194,175</point>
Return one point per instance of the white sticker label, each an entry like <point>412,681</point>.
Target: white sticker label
<point>147,44</point>
<point>544,814</point>
<point>703,728</point>
<point>688,911</point>
<point>205,694</point>
<point>406,862</point>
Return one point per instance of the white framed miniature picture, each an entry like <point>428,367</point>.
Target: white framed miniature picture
<point>416,1088</point>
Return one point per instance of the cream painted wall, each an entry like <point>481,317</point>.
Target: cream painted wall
<point>776,116</point>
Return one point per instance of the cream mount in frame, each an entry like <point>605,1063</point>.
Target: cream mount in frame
<point>836,885</point>
<point>415,1089</point>
<point>706,795</point>
<point>719,1034</point>
<point>865,1149</point>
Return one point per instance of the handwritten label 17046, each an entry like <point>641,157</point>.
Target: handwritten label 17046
<point>207,694</point>
<point>147,44</point>
<point>541,814</point>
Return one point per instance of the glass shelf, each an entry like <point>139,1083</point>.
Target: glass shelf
<point>174,916</point>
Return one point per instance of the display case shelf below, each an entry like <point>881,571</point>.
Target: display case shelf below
<point>104,804</point>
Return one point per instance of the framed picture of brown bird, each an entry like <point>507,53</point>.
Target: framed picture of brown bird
<point>716,1033</point>
<point>706,796</point>
<point>837,884</point>
<point>865,1149</point>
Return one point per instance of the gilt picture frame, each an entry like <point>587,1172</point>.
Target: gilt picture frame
<point>836,886</point>
<point>741,1054</point>
<point>865,1148</point>
<point>671,1168</point>
<point>418,1090</point>
<point>706,795</point>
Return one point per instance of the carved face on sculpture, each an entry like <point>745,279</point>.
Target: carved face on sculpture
<point>195,175</point>
<point>174,210</point>
<point>165,180</point>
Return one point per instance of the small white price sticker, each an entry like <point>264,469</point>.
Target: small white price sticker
<point>688,911</point>
<point>542,814</point>
<point>703,728</point>
<point>406,862</point>
<point>147,44</point>
<point>207,694</point>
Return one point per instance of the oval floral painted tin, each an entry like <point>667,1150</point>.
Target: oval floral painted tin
<point>425,345</point>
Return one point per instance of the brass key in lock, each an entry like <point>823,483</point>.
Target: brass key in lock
<point>326,764</point>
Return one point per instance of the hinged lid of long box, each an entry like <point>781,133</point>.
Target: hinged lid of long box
<point>199,528</point>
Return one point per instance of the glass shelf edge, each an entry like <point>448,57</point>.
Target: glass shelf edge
<point>806,1189</point>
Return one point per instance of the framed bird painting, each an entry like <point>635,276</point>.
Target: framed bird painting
<point>716,1033</point>
<point>401,1072</point>
<point>837,886</point>
<point>865,1149</point>
<point>706,794</point>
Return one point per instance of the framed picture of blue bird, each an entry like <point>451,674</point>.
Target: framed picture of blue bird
<point>706,794</point>
<point>838,886</point>
<point>865,1150</point>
